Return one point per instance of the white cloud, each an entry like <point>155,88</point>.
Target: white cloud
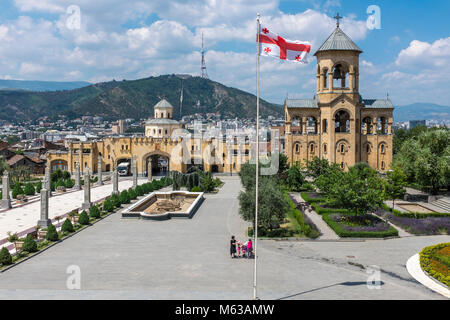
<point>419,53</point>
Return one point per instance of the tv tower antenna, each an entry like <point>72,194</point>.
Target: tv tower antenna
<point>204,72</point>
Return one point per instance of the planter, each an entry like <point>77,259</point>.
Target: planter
<point>61,189</point>
<point>21,199</point>
<point>74,219</point>
<point>41,234</point>
<point>18,245</point>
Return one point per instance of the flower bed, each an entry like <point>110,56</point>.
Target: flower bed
<point>435,260</point>
<point>363,226</point>
<point>420,225</point>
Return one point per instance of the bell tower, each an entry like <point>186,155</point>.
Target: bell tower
<point>338,67</point>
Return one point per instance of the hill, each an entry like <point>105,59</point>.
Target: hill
<point>40,85</point>
<point>134,99</point>
<point>421,111</point>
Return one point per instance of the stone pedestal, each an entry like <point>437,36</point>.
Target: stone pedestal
<point>115,182</point>
<point>149,170</point>
<point>87,204</point>
<point>44,221</point>
<point>100,172</point>
<point>6,199</point>
<point>77,177</point>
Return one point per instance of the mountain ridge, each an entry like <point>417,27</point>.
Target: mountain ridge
<point>134,99</point>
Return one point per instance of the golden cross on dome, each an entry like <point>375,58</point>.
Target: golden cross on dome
<point>337,17</point>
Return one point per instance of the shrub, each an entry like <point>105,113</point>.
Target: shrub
<point>124,197</point>
<point>60,183</point>
<point>139,190</point>
<point>17,190</point>
<point>69,183</point>
<point>29,244</point>
<point>5,257</point>
<point>38,187</point>
<point>196,189</point>
<point>115,199</point>
<point>51,235</point>
<point>133,194</point>
<point>29,189</point>
<point>66,175</point>
<point>108,205</point>
<point>67,226</point>
<point>83,218</point>
<point>94,212</point>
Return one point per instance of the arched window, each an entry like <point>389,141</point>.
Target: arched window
<point>382,125</point>
<point>297,148</point>
<point>340,75</point>
<point>325,125</point>
<point>342,148</point>
<point>296,124</point>
<point>368,148</point>
<point>342,121</point>
<point>325,148</point>
<point>382,148</point>
<point>382,165</point>
<point>311,148</point>
<point>311,125</point>
<point>325,78</point>
<point>342,165</point>
<point>366,125</point>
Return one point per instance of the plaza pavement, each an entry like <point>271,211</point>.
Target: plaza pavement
<point>189,259</point>
<point>25,217</point>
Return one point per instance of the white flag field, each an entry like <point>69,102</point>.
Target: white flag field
<point>271,44</point>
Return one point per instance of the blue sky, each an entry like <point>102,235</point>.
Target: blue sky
<point>409,57</point>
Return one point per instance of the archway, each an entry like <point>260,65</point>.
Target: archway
<point>342,121</point>
<point>160,163</point>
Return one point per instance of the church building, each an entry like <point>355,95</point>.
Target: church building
<point>338,124</point>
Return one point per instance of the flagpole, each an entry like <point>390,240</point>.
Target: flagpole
<point>255,231</point>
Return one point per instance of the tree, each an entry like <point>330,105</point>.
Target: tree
<point>3,166</point>
<point>316,167</point>
<point>394,188</point>
<point>328,178</point>
<point>357,190</point>
<point>272,205</point>
<point>208,184</point>
<point>425,159</point>
<point>295,179</point>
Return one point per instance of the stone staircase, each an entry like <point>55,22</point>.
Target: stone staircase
<point>442,203</point>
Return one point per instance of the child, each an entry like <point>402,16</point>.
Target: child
<point>250,248</point>
<point>239,247</point>
<point>244,249</point>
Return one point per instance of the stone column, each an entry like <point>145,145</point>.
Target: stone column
<point>77,177</point>
<point>6,199</point>
<point>135,174</point>
<point>87,191</point>
<point>48,181</point>
<point>115,182</point>
<point>149,170</point>
<point>44,221</point>
<point>100,175</point>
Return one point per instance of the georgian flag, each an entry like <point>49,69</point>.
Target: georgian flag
<point>271,44</point>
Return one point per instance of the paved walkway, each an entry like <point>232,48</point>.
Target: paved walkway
<point>25,217</point>
<point>325,230</point>
<point>189,259</point>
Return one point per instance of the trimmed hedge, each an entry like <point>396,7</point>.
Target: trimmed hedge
<point>435,264</point>
<point>310,200</point>
<point>391,232</point>
<point>415,215</point>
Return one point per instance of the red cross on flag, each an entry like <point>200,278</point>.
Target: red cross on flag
<point>271,44</point>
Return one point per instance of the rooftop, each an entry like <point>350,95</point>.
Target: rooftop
<point>338,40</point>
